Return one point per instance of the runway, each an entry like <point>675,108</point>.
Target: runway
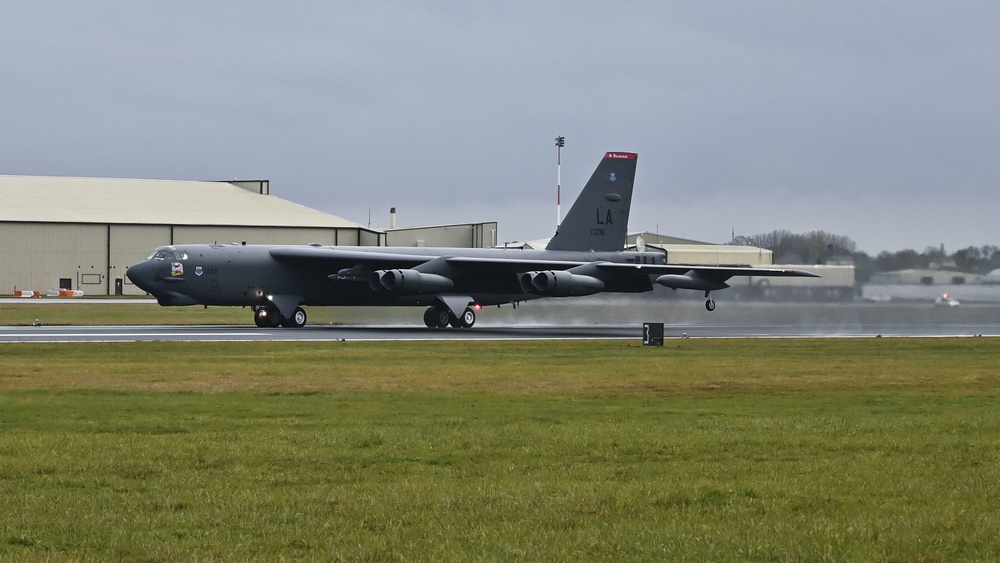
<point>582,319</point>
<point>346,333</point>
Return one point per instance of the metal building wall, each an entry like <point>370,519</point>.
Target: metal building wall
<point>364,238</point>
<point>191,234</point>
<point>717,255</point>
<point>472,235</point>
<point>36,256</point>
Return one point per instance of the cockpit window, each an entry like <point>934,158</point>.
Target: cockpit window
<point>168,253</point>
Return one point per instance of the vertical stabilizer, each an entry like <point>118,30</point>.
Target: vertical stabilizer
<point>598,219</point>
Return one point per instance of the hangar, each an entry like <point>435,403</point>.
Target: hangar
<point>82,233</point>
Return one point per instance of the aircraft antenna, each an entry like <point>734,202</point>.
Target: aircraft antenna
<point>560,143</point>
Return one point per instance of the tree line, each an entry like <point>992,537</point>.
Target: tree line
<point>819,247</point>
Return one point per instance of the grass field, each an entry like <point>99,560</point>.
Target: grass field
<point>864,449</point>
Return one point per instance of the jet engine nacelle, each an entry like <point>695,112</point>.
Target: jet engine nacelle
<point>559,283</point>
<point>409,281</point>
<point>690,281</point>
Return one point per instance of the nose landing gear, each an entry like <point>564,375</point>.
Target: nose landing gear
<point>709,302</point>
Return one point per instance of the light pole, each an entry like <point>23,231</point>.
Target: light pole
<point>560,143</point>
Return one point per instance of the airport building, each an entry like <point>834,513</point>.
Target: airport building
<point>83,233</point>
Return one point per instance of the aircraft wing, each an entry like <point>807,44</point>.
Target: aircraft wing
<point>703,278</point>
<point>319,256</point>
<point>332,257</point>
<point>721,273</point>
<point>337,257</point>
<point>512,264</point>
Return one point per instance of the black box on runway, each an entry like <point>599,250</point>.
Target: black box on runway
<point>652,334</point>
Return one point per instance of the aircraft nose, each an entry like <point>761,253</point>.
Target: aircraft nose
<point>143,275</point>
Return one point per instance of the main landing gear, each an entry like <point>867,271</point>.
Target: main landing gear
<point>709,302</point>
<point>437,316</point>
<point>268,316</point>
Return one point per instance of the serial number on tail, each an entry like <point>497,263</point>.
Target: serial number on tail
<point>597,232</point>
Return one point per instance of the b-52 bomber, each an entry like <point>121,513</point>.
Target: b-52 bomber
<point>586,256</point>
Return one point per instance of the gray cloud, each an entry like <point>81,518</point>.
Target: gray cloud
<point>878,122</point>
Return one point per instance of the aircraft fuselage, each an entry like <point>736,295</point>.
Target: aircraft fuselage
<point>247,275</point>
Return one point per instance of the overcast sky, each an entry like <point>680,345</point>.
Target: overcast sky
<point>879,121</point>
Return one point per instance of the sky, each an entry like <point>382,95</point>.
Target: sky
<point>878,121</point>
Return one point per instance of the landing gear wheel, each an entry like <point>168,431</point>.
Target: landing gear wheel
<point>710,305</point>
<point>468,318</point>
<point>266,317</point>
<point>297,320</point>
<point>260,319</point>
<point>442,316</point>
<point>436,317</point>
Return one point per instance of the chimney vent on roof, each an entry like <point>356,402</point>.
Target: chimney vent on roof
<point>262,187</point>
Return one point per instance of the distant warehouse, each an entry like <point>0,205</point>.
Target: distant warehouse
<point>82,233</point>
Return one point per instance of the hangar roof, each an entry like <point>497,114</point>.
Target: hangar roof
<point>160,202</point>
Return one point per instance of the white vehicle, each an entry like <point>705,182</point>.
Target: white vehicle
<point>945,301</point>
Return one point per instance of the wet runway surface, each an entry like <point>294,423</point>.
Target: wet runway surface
<point>511,332</point>
<point>581,319</point>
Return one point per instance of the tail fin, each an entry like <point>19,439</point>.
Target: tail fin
<point>598,219</point>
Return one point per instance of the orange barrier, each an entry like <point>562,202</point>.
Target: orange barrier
<point>49,293</point>
<point>64,293</point>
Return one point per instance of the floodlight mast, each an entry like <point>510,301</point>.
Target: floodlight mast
<point>560,143</point>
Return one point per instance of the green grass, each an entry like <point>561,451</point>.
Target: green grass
<point>876,449</point>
